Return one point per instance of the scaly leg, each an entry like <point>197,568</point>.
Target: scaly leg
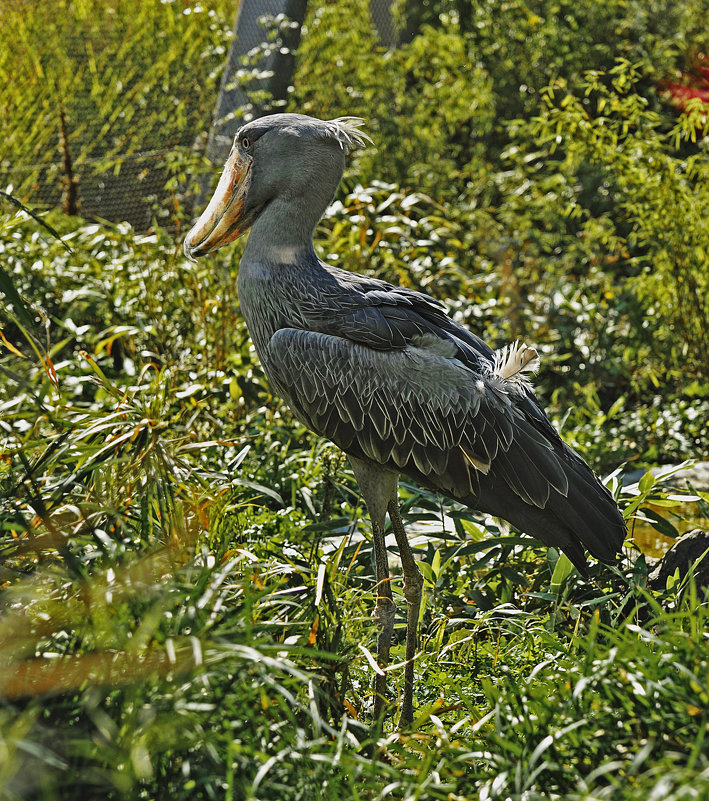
<point>384,613</point>
<point>413,582</point>
<point>378,486</point>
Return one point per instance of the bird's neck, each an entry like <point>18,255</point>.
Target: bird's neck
<point>283,233</point>
<point>277,266</point>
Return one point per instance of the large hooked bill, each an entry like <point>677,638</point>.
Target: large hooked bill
<point>219,222</point>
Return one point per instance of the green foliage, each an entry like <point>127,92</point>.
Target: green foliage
<point>404,84</point>
<point>654,226</point>
<point>186,582</point>
<point>638,693</point>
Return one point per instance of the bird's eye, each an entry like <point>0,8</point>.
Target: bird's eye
<point>245,143</point>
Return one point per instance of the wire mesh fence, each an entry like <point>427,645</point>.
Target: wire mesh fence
<point>102,99</point>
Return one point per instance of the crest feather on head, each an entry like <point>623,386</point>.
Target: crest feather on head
<point>347,131</point>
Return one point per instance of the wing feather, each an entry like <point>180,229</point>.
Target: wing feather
<point>412,408</point>
<point>387,375</point>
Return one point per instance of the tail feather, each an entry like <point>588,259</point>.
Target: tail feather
<point>586,517</point>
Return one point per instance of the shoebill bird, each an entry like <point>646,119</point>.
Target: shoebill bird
<point>386,374</point>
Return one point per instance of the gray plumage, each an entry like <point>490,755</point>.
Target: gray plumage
<point>383,371</point>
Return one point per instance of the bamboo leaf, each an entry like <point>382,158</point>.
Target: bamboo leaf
<point>36,218</point>
<point>7,287</point>
<point>562,570</point>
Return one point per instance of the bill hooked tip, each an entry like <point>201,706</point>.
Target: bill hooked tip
<point>221,222</point>
<point>189,249</point>
<point>196,244</point>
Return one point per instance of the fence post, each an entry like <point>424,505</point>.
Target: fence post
<point>234,106</point>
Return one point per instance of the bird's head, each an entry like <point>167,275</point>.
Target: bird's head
<point>287,156</point>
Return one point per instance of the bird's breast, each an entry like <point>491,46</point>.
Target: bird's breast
<point>269,301</point>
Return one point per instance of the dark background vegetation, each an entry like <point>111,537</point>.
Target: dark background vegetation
<point>186,579</point>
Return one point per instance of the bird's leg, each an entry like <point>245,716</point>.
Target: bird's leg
<point>413,582</point>
<point>378,486</point>
<point>384,613</point>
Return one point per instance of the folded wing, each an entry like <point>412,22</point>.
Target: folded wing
<point>420,411</point>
